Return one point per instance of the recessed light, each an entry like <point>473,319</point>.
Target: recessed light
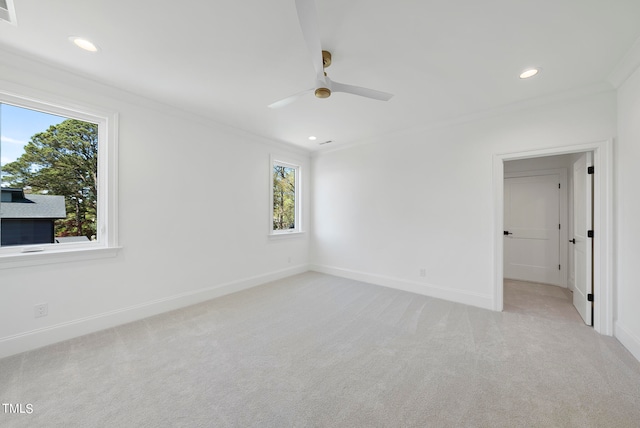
<point>529,73</point>
<point>83,43</point>
<point>312,138</point>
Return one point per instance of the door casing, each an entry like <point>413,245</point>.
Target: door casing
<point>602,224</point>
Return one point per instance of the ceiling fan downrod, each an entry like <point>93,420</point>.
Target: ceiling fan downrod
<point>326,62</point>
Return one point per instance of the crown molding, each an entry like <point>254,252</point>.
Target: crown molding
<point>536,102</point>
<point>626,67</point>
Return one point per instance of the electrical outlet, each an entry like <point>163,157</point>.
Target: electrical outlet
<point>41,310</point>
<point>423,272</point>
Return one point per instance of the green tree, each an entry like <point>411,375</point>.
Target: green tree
<point>284,193</point>
<point>63,160</point>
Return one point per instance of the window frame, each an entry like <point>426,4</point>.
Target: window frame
<point>107,228</point>
<point>287,163</point>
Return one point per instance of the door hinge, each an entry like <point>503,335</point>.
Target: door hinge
<point>559,227</point>
<point>590,297</point>
<point>559,267</point>
<point>589,233</point>
<point>559,186</point>
<point>590,170</point>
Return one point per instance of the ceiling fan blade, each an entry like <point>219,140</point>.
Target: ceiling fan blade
<point>286,101</point>
<point>357,90</point>
<point>308,17</point>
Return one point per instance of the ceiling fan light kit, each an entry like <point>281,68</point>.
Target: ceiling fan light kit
<point>323,92</point>
<point>308,17</point>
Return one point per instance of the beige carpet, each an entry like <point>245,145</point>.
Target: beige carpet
<point>319,351</point>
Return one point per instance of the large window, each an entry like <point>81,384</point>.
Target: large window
<point>57,174</point>
<point>285,200</point>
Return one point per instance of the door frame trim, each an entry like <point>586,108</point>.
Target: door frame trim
<point>602,223</point>
<point>563,204</point>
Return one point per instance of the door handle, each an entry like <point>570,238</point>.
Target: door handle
<point>573,241</point>
<point>506,232</point>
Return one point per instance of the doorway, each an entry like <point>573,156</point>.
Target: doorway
<point>602,226</point>
<point>535,221</point>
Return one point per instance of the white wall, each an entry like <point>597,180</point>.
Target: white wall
<point>193,214</point>
<point>424,199</point>
<point>627,180</point>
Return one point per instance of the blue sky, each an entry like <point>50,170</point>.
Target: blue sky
<point>17,126</point>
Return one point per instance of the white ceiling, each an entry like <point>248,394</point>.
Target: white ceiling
<point>229,59</point>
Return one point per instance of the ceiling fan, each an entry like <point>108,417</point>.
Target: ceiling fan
<point>308,17</point>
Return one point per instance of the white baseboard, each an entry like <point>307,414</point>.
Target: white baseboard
<point>38,338</point>
<point>628,339</point>
<point>484,301</point>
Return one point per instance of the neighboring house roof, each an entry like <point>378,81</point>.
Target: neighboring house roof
<point>33,206</point>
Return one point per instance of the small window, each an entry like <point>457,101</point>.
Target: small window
<point>285,197</point>
<point>57,174</point>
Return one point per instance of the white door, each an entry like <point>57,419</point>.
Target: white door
<point>532,229</point>
<point>582,247</point>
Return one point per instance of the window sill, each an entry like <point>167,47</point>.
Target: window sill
<point>55,256</point>
<point>285,235</point>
